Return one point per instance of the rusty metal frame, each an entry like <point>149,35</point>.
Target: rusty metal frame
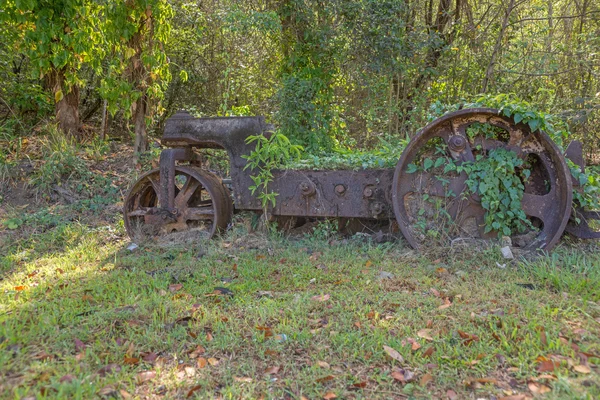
<point>301,193</point>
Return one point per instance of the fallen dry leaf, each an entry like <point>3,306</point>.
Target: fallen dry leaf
<point>415,346</point>
<point>514,397</point>
<point>201,362</point>
<point>131,360</point>
<point>394,354</point>
<point>537,388</point>
<point>425,334</point>
<point>242,379</point>
<point>175,287</point>
<point>213,361</point>
<point>150,357</point>
<point>322,364</point>
<point>322,297</point>
<point>329,396</point>
<point>447,303</point>
<point>107,369</point>
<point>125,395</point>
<point>272,370</point>
<point>547,366</point>
<point>190,393</point>
<point>399,376</point>
<point>451,394</point>
<point>67,378</point>
<point>425,379</point>
<point>145,376</point>
<point>582,369</point>
<point>428,352</point>
<point>325,379</point>
<point>360,384</point>
<point>20,288</point>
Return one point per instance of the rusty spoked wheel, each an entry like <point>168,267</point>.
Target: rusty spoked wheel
<point>202,204</point>
<point>432,202</point>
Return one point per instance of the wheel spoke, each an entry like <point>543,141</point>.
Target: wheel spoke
<point>199,213</point>
<point>537,206</point>
<point>186,193</point>
<point>139,212</point>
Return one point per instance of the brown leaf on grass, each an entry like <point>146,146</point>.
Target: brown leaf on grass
<point>425,334</point>
<point>368,264</point>
<point>79,345</point>
<point>415,346</point>
<point>107,369</point>
<point>150,357</point>
<point>329,396</point>
<point>125,395</point>
<point>514,397</point>
<point>326,378</point>
<point>428,352</point>
<point>322,297</point>
<point>20,288</point>
<point>67,378</point>
<point>399,376</point>
<point>582,369</point>
<point>451,394</point>
<point>31,275</point>
<point>145,376</point>
<point>315,256</point>
<point>272,370</point>
<point>435,292</point>
<point>190,393</point>
<point>447,303</point>
<point>197,352</point>
<point>213,361</point>
<point>131,360</point>
<point>425,379</point>
<point>175,287</point>
<point>322,364</point>
<point>394,354</point>
<point>360,384</point>
<point>543,337</point>
<point>538,388</point>
<point>42,355</point>
<point>547,366</point>
<point>201,362</point>
<point>243,379</point>
<point>107,391</point>
<point>209,337</point>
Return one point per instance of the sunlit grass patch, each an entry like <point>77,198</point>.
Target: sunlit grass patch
<point>250,316</point>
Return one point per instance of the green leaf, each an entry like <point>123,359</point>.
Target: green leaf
<point>411,168</point>
<point>58,96</point>
<point>427,164</point>
<point>518,118</point>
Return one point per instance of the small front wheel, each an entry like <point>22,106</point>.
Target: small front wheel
<point>202,204</point>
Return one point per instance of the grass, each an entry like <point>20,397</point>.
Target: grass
<point>81,316</point>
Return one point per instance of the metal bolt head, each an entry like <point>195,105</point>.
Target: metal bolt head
<point>368,192</point>
<point>457,143</point>
<point>340,189</point>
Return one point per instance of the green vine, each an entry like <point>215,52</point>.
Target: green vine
<point>272,151</point>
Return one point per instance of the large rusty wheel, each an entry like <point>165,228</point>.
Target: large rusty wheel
<point>430,204</point>
<point>202,204</point>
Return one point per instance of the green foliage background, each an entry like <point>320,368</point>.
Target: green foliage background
<point>338,76</point>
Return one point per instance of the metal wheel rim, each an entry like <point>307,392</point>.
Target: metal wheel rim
<point>561,187</point>
<point>147,185</point>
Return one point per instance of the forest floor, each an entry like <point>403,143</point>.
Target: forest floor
<point>266,315</point>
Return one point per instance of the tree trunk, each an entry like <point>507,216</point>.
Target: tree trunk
<point>67,108</point>
<point>141,134</point>
<point>489,72</point>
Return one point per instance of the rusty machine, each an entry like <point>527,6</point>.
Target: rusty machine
<point>180,195</point>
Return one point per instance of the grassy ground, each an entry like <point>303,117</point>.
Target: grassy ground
<point>82,316</point>
<point>252,315</point>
